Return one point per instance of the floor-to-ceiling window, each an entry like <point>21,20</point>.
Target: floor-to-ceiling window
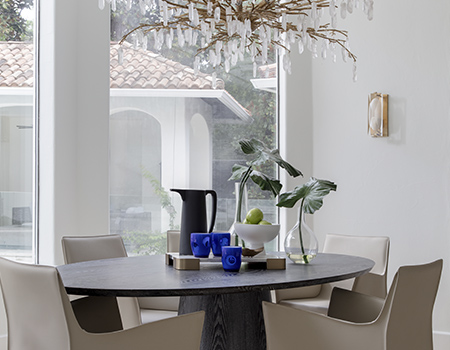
<point>171,128</point>
<point>16,129</point>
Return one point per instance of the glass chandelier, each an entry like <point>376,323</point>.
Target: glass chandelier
<point>227,30</point>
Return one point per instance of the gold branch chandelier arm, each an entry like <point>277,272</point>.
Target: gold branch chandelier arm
<point>229,29</point>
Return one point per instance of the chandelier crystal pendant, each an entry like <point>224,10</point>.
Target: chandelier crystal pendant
<point>227,30</point>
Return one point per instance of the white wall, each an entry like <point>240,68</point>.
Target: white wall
<point>295,130</point>
<point>396,186</point>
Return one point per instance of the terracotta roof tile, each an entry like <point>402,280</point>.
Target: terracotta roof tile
<point>141,69</point>
<point>16,62</point>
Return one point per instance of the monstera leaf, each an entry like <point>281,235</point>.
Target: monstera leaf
<point>311,194</point>
<point>238,171</point>
<point>264,154</point>
<point>266,183</point>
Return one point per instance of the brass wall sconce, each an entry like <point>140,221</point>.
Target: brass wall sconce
<point>378,115</point>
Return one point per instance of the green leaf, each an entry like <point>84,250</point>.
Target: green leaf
<point>237,171</point>
<point>264,154</point>
<point>266,183</point>
<point>248,146</point>
<point>311,194</point>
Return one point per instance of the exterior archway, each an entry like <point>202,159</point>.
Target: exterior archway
<point>200,153</point>
<point>135,172</point>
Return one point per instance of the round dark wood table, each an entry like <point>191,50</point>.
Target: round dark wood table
<point>231,300</point>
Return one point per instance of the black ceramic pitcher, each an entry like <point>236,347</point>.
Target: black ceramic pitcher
<point>193,215</point>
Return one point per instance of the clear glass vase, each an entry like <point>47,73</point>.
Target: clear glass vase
<point>240,211</point>
<point>301,244</point>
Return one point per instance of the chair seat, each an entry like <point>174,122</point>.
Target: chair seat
<point>151,315</point>
<point>159,303</point>
<point>317,305</point>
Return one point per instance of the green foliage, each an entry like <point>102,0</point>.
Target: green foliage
<point>262,154</point>
<point>264,182</point>
<point>162,194</point>
<point>150,243</point>
<point>13,27</point>
<point>311,194</point>
<point>145,243</point>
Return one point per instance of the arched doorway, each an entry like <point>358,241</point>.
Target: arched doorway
<point>135,172</point>
<point>200,153</point>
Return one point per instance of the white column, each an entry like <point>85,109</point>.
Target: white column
<point>74,110</point>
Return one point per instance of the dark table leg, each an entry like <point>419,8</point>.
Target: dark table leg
<point>232,321</point>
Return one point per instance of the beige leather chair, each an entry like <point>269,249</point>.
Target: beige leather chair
<point>133,311</point>
<point>40,317</point>
<point>86,248</point>
<point>157,308</point>
<point>317,298</point>
<point>402,321</point>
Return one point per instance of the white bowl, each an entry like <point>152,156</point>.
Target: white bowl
<point>256,235</point>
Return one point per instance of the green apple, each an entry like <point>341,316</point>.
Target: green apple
<point>264,222</point>
<point>254,216</point>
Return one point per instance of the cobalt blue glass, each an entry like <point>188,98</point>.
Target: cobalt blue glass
<point>219,240</point>
<point>231,258</point>
<point>201,244</point>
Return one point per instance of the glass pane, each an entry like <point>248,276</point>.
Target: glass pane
<point>16,130</point>
<point>169,128</point>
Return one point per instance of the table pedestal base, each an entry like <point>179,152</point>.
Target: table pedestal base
<point>232,321</point>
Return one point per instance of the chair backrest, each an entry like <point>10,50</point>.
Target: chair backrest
<point>164,303</point>
<point>85,248</point>
<point>408,309</point>
<point>375,248</point>
<point>173,241</point>
<point>35,313</point>
<point>374,283</point>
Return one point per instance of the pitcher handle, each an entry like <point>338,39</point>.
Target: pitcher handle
<point>214,208</point>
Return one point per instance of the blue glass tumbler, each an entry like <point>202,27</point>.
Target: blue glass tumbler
<point>231,258</point>
<point>219,240</point>
<point>201,244</point>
